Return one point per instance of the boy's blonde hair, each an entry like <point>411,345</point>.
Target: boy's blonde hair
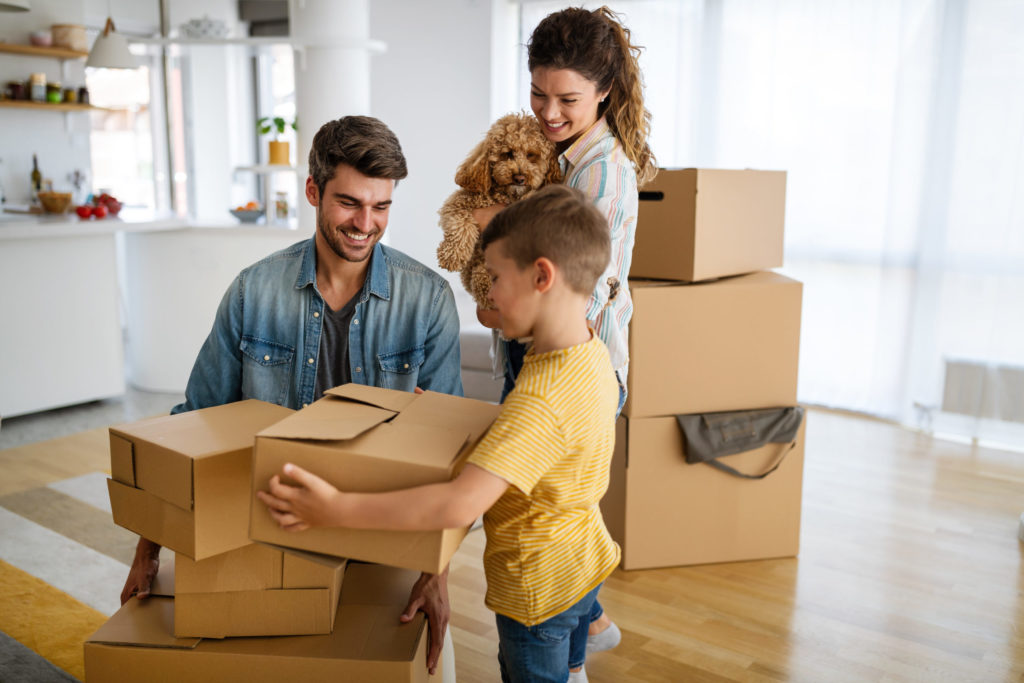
<point>556,222</point>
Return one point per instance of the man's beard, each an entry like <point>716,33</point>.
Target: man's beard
<point>333,240</point>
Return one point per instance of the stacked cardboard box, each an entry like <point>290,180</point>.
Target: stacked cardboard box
<point>187,482</point>
<point>713,330</point>
<point>367,642</point>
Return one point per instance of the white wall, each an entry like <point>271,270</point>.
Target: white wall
<point>432,87</point>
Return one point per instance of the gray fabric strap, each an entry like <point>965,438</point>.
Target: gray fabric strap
<point>709,436</point>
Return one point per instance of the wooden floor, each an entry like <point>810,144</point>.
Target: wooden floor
<point>909,570</point>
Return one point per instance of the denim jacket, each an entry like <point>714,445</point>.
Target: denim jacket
<point>265,341</point>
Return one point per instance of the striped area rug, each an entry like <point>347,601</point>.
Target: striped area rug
<point>63,562</point>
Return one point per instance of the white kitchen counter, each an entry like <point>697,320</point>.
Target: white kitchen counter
<point>67,284</point>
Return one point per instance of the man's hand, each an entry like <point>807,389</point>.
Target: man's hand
<point>430,595</point>
<point>143,571</point>
<point>313,502</point>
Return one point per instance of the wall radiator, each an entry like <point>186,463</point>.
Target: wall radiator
<point>984,390</point>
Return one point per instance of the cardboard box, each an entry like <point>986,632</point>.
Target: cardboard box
<point>183,480</point>
<point>733,344</point>
<point>664,512</point>
<point>697,224</point>
<point>256,590</point>
<point>367,439</point>
<point>368,643</point>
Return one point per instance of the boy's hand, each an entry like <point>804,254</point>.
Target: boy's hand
<point>313,502</point>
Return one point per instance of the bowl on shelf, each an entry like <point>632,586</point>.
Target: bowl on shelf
<point>41,38</point>
<point>55,202</point>
<point>247,215</point>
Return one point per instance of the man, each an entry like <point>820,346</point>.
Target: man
<point>339,307</point>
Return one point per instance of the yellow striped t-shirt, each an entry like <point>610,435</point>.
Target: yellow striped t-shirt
<point>547,545</point>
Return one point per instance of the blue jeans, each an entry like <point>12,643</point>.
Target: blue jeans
<point>514,353</point>
<point>545,652</point>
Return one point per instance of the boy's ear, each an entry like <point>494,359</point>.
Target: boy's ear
<point>544,273</point>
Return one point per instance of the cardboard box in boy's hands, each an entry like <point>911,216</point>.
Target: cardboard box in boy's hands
<point>367,439</point>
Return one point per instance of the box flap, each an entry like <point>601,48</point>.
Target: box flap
<point>152,518</point>
<point>322,421</point>
<point>389,399</point>
<point>122,460</point>
<point>249,568</point>
<point>454,412</point>
<point>143,623</point>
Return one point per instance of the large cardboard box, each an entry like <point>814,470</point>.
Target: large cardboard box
<point>698,224</point>
<point>256,590</point>
<point>367,439</point>
<point>732,344</point>
<point>368,643</point>
<point>183,480</point>
<point>664,512</point>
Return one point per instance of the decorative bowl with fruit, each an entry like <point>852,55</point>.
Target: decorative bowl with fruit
<point>248,213</point>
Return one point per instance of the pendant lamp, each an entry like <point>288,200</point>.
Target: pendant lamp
<point>110,51</point>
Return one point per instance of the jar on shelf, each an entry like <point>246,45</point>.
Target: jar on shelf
<point>70,95</point>
<point>281,206</point>
<point>54,93</point>
<point>16,90</point>
<point>83,95</point>
<point>37,87</point>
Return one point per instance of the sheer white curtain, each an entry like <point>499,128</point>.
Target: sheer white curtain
<point>901,126</point>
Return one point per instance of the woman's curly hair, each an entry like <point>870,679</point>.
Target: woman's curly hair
<point>596,45</point>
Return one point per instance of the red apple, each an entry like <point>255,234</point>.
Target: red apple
<point>83,211</point>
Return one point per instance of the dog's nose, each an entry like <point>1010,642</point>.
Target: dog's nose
<point>519,179</point>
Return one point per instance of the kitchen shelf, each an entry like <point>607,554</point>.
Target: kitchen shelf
<point>35,51</point>
<point>267,170</point>
<point>375,46</point>
<point>50,106</point>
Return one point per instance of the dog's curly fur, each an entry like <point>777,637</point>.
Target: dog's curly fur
<point>512,160</point>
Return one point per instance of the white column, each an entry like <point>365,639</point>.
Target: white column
<point>332,72</point>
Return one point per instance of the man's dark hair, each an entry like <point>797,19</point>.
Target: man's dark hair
<point>362,142</point>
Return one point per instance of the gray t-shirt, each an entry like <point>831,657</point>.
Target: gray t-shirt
<point>333,368</point>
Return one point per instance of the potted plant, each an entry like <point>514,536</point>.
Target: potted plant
<point>279,152</point>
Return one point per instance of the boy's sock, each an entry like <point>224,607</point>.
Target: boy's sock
<point>605,640</point>
<point>578,676</point>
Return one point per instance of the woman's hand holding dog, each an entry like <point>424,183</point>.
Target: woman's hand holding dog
<point>483,216</point>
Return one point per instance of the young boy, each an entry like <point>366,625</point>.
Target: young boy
<point>538,474</point>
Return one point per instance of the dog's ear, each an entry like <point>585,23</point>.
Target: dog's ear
<point>474,174</point>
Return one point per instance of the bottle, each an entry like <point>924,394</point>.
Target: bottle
<point>37,178</point>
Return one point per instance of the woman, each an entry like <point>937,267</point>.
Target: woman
<point>587,93</point>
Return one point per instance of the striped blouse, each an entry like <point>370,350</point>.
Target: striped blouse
<point>597,165</point>
<point>547,545</point>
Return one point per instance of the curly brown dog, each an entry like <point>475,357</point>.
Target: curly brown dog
<point>512,160</point>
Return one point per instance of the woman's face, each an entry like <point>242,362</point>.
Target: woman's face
<point>564,102</point>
